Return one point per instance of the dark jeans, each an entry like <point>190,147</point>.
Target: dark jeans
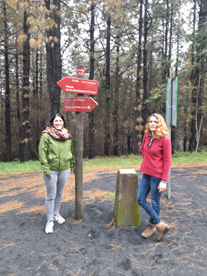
<point>150,184</point>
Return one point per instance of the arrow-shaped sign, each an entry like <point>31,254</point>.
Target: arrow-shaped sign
<point>79,104</point>
<point>79,86</point>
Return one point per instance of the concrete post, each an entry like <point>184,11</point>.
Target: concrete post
<point>126,208</point>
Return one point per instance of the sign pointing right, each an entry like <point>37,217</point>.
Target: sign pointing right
<point>79,104</point>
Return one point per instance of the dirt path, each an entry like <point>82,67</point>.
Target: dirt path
<point>93,246</point>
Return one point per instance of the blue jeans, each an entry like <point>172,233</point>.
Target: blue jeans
<point>150,184</point>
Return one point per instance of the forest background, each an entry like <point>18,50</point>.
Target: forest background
<point>130,47</point>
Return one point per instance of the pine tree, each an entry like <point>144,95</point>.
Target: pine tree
<point>25,136</point>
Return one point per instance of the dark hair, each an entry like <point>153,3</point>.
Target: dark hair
<point>54,116</point>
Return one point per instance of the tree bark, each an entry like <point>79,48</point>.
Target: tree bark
<point>197,79</point>
<point>17,84</point>
<point>139,104</point>
<point>25,138</point>
<point>166,41</point>
<point>108,60</point>
<point>41,76</point>
<point>91,77</point>
<point>194,82</point>
<point>8,154</point>
<point>178,43</point>
<point>170,40</point>
<point>54,61</point>
<point>116,149</point>
<point>145,69</point>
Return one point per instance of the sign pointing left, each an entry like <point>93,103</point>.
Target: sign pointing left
<point>79,86</point>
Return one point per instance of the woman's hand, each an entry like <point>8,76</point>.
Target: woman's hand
<point>162,186</point>
<point>73,172</point>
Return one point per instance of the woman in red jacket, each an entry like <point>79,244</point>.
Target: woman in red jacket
<point>156,153</point>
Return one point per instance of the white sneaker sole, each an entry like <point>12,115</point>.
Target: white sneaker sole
<point>59,222</point>
<point>49,231</point>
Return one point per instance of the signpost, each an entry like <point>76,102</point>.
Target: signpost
<point>81,72</point>
<point>171,103</point>
<point>79,166</point>
<point>79,86</point>
<point>79,105</point>
<point>171,114</point>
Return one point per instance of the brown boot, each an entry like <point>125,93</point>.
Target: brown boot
<point>149,231</point>
<point>162,229</point>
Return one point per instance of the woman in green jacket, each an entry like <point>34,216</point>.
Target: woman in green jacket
<point>56,154</point>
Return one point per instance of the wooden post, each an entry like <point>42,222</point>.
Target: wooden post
<point>79,160</point>
<point>79,166</point>
<point>75,86</point>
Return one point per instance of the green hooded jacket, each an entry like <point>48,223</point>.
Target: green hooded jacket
<point>55,155</point>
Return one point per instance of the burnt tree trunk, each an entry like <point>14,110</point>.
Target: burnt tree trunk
<point>17,84</point>
<point>116,149</point>
<point>7,154</point>
<point>166,70</point>
<point>54,61</point>
<point>170,40</point>
<point>194,82</point>
<point>139,104</point>
<point>25,137</point>
<point>197,78</point>
<point>91,77</point>
<point>145,69</point>
<point>107,132</point>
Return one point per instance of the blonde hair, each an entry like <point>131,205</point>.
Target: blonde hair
<point>161,129</point>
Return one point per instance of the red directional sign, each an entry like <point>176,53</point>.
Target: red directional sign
<point>79,104</point>
<point>79,86</point>
<point>80,72</point>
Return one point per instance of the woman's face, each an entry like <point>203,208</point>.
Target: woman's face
<point>153,121</point>
<point>58,123</point>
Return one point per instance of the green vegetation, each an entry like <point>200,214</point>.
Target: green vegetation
<point>189,157</point>
<point>16,166</point>
<point>112,162</point>
<point>100,163</point>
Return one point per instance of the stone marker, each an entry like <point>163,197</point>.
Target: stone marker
<point>126,208</point>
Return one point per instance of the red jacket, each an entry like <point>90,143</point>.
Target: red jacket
<point>157,159</point>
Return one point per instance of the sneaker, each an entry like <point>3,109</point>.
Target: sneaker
<point>49,227</point>
<point>59,218</point>
<point>149,231</point>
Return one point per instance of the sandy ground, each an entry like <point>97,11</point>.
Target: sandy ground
<point>93,246</point>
